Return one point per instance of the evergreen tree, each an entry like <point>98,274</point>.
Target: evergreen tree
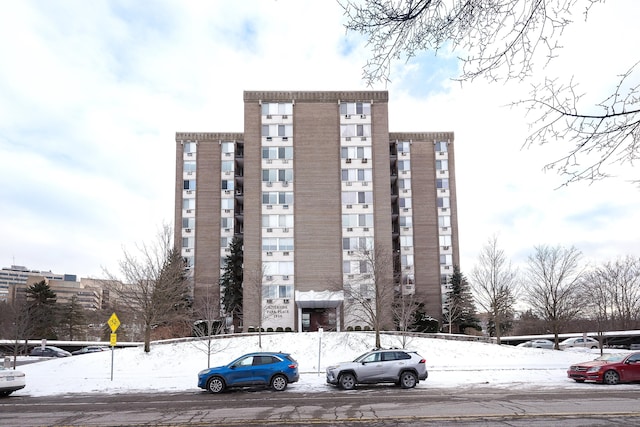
<point>461,310</point>
<point>231,282</point>
<point>72,318</point>
<point>41,305</point>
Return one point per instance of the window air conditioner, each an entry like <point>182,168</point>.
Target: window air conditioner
<point>348,160</point>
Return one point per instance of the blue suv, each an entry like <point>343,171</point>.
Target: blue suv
<point>274,370</point>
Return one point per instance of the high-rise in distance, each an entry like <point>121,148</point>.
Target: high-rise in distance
<point>322,195</point>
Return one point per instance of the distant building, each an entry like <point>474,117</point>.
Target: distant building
<point>315,181</point>
<point>18,275</point>
<point>89,297</point>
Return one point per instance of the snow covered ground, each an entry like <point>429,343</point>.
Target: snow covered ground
<point>173,366</point>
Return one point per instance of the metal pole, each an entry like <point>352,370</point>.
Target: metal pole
<point>112,363</point>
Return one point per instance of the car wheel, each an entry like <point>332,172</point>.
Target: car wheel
<point>611,378</point>
<point>347,381</point>
<point>5,393</point>
<point>279,382</point>
<point>594,347</point>
<point>215,385</point>
<point>408,380</point>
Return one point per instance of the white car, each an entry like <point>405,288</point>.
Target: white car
<point>10,381</point>
<point>540,343</point>
<point>579,342</point>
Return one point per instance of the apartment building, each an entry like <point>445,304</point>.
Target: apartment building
<point>330,204</point>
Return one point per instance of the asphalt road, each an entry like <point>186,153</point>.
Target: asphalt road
<point>371,406</point>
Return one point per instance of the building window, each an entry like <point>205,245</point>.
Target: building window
<point>445,240</point>
<point>227,147</point>
<point>442,165</point>
<point>188,204</point>
<point>189,222</point>
<point>404,147</point>
<point>189,147</point>
<point>189,166</point>
<point>406,241</point>
<point>441,146</point>
<point>407,260</point>
<point>275,268</point>
<point>446,259</point>
<point>350,130</point>
<point>404,165</point>
<point>277,221</point>
<point>406,221</point>
<point>355,152</point>
<point>274,175</point>
<point>227,166</point>
<point>227,184</point>
<point>363,266</point>
<point>443,202</point>
<point>277,130</point>
<point>404,183</point>
<point>188,242</point>
<point>226,222</point>
<point>354,197</point>
<point>277,108</point>
<point>226,203</point>
<point>405,202</point>
<point>189,184</point>
<point>277,198</point>
<point>442,183</point>
<point>347,108</point>
<point>272,153</point>
<point>444,221</point>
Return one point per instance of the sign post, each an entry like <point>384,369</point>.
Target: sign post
<point>113,322</point>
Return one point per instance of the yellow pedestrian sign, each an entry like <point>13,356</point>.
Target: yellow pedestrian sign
<point>113,340</point>
<point>114,322</point>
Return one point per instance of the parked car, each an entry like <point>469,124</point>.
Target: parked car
<point>608,369</point>
<point>403,367</point>
<point>579,342</point>
<point>541,343</point>
<point>49,351</point>
<point>10,381</point>
<point>90,349</point>
<point>274,370</point>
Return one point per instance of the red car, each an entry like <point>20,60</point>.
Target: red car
<point>608,369</point>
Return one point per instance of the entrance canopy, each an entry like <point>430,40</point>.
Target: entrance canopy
<point>322,299</point>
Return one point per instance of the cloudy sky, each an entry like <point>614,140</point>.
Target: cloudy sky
<point>93,92</point>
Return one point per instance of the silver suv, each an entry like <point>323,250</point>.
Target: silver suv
<point>403,367</point>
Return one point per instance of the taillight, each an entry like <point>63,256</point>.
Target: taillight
<point>293,366</point>
<point>422,361</point>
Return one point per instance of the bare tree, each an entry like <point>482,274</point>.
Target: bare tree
<point>406,308</point>
<point>500,40</point>
<point>152,283</point>
<point>614,288</point>
<point>252,284</point>
<point>495,284</point>
<point>208,325</point>
<point>370,293</point>
<point>553,286</point>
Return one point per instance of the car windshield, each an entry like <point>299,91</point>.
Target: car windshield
<point>362,357</point>
<point>611,357</point>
